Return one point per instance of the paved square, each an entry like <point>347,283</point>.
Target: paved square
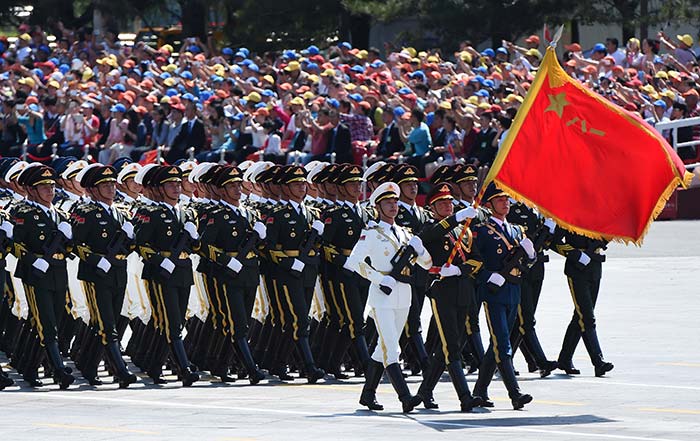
<point>648,322</point>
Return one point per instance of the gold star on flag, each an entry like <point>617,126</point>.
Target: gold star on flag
<point>557,103</point>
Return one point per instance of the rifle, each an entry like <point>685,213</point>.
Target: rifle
<point>115,245</point>
<point>247,247</point>
<point>311,241</point>
<point>180,245</point>
<point>399,262</point>
<point>56,245</point>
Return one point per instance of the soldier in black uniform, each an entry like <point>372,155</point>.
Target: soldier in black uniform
<point>164,237</point>
<point>583,269</point>
<point>229,241</point>
<point>414,218</point>
<point>293,237</point>
<point>103,238</point>
<point>523,334</point>
<point>42,237</point>
<point>451,293</point>
<point>342,228</point>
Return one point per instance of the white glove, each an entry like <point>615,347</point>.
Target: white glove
<point>41,265</point>
<point>450,271</point>
<point>388,281</point>
<point>584,259</point>
<point>191,230</point>
<point>234,265</point>
<point>128,229</point>
<point>318,226</point>
<point>104,264</point>
<point>529,247</point>
<point>549,223</point>
<point>261,229</point>
<point>298,265</point>
<point>8,228</point>
<point>66,229</point>
<point>465,213</point>
<point>167,265</point>
<point>417,245</point>
<point>497,279</point>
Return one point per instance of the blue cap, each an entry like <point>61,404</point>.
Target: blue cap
<point>404,91</point>
<point>482,92</point>
<point>488,53</point>
<point>118,108</point>
<point>216,79</point>
<point>254,67</point>
<point>34,107</point>
<point>398,112</point>
<point>429,118</point>
<point>267,92</point>
<point>289,54</point>
<point>119,87</point>
<point>241,54</point>
<point>236,70</point>
<point>376,64</point>
<point>61,164</point>
<point>136,71</point>
<point>194,49</point>
<point>312,66</point>
<point>238,117</point>
<point>2,48</point>
<point>149,74</point>
<point>38,72</point>
<point>44,48</point>
<point>186,75</point>
<point>489,83</point>
<point>54,60</point>
<point>252,80</point>
<point>358,69</point>
<point>345,45</point>
<point>64,68</point>
<point>171,92</point>
<point>482,69</point>
<point>260,105</point>
<point>188,97</point>
<point>246,62</point>
<point>333,103</point>
<point>502,50</point>
<point>418,74</point>
<point>164,75</point>
<point>205,95</point>
<point>227,51</point>
<point>660,103</point>
<point>120,163</point>
<point>658,60</point>
<point>355,97</point>
<point>245,51</point>
<point>599,47</point>
<point>312,50</point>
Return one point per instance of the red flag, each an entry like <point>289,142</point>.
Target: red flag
<point>592,166</point>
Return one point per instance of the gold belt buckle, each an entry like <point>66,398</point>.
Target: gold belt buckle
<point>57,256</point>
<point>183,255</point>
<point>515,272</point>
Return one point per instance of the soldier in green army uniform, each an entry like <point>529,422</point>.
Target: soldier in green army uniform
<point>229,241</point>
<point>452,292</point>
<point>165,236</point>
<point>103,238</point>
<point>42,237</point>
<point>341,232</point>
<point>293,237</point>
<point>414,218</point>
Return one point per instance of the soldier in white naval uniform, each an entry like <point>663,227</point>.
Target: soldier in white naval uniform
<point>371,258</point>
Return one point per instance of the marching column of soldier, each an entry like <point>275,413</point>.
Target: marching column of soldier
<point>264,270</point>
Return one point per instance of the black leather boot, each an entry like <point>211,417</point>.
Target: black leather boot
<point>121,371</point>
<point>590,339</point>
<point>342,344</point>
<point>408,401</point>
<point>186,375</point>
<point>420,352</point>
<point>533,345</point>
<point>505,368</point>
<point>486,371</point>
<point>313,374</point>
<point>362,350</point>
<point>430,380</point>
<point>373,376</point>
<point>476,347</point>
<point>568,347</point>
<point>60,374</point>
<point>5,381</point>
<point>255,375</point>
<point>466,400</point>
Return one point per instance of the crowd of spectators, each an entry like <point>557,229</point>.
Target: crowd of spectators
<point>93,97</point>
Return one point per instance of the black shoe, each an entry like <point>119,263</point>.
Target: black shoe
<point>225,378</point>
<point>94,380</point>
<point>63,379</point>
<point>5,382</point>
<point>370,402</point>
<point>282,374</point>
<point>126,381</point>
<point>158,379</point>
<point>547,369</point>
<point>601,369</point>
<point>520,401</point>
<point>339,375</point>
<point>411,403</point>
<point>517,373</point>
<point>531,368</point>
<point>313,374</point>
<point>429,403</point>
<point>189,379</point>
<point>568,368</point>
<point>256,377</point>
<point>470,403</point>
<point>483,401</point>
<point>33,381</point>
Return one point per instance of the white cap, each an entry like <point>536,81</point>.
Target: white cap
<point>16,170</point>
<point>316,170</point>
<point>141,173</point>
<point>387,189</point>
<point>199,170</point>
<point>254,170</point>
<point>128,169</point>
<point>372,169</point>
<point>187,165</point>
<point>73,167</point>
<point>83,170</point>
<point>245,165</point>
<point>310,166</point>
